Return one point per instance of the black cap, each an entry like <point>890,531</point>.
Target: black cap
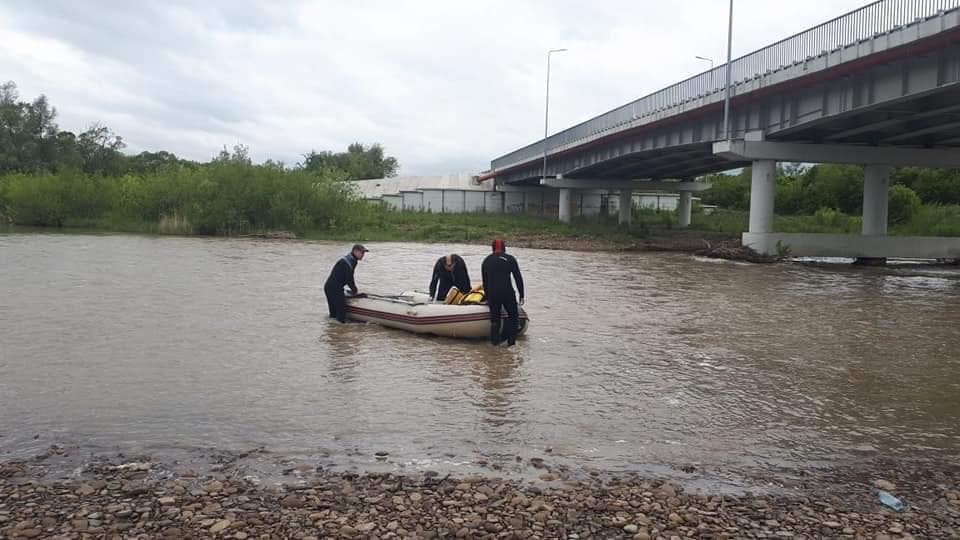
<point>359,247</point>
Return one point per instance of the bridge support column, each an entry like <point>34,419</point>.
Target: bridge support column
<point>565,205</point>
<point>684,208</point>
<point>876,183</point>
<point>763,184</point>
<point>626,206</point>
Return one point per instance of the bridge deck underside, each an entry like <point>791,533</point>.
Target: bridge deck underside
<point>924,121</point>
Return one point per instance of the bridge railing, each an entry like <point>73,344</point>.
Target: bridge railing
<point>876,18</point>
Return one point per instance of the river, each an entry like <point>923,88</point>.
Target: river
<point>192,349</point>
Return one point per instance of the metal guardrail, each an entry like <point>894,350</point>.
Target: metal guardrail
<point>873,19</point>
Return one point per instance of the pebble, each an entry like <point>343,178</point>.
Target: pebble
<point>291,501</point>
<point>220,525</point>
<point>885,485</point>
<point>214,486</point>
<point>387,505</point>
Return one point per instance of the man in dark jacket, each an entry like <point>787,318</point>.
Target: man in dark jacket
<point>497,269</point>
<point>342,275</point>
<point>450,270</point>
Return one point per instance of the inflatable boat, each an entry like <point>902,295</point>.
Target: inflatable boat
<point>414,311</point>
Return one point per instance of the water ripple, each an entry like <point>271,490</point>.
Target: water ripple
<point>632,360</point>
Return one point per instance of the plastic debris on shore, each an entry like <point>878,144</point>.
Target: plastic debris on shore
<point>889,500</point>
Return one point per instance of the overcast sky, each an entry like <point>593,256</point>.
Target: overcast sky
<point>445,86</point>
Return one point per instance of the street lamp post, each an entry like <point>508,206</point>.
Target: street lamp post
<point>546,116</point>
<point>726,97</point>
<point>711,69</point>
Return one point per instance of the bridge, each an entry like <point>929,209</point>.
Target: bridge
<point>877,86</point>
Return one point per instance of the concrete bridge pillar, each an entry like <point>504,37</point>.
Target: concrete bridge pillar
<point>626,206</point>
<point>876,183</point>
<point>763,183</point>
<point>565,205</point>
<point>685,208</point>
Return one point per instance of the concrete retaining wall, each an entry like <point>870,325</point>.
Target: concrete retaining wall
<point>851,245</point>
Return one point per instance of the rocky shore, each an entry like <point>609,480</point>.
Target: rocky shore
<point>142,499</point>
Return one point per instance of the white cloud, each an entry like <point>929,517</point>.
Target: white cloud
<point>444,86</point>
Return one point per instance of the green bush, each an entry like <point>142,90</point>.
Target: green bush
<point>832,186</point>
<point>903,204</point>
<point>831,218</point>
<point>790,197</point>
<point>35,200</point>
<point>729,192</point>
<point>226,197</point>
<point>933,186</point>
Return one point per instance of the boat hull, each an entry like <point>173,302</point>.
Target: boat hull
<point>413,312</point>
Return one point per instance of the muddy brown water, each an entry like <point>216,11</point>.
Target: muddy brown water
<point>191,349</point>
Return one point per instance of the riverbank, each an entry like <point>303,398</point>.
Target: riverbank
<point>650,230</point>
<point>519,231</point>
<point>142,499</point>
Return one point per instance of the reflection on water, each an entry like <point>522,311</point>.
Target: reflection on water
<point>632,361</point>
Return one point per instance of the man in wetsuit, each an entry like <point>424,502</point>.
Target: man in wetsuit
<point>497,269</point>
<point>450,270</point>
<point>342,275</point>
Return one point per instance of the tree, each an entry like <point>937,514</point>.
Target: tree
<point>11,113</point>
<point>67,153</point>
<point>100,151</point>
<point>832,186</point>
<point>240,155</point>
<point>903,204</point>
<point>940,186</point>
<point>359,162</point>
<point>727,191</point>
<point>151,162</point>
<point>27,131</point>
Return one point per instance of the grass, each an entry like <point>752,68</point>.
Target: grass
<point>721,221</point>
<point>110,224</point>
<point>174,224</point>
<point>932,220</point>
<point>426,227</point>
<point>377,225</point>
<point>233,197</point>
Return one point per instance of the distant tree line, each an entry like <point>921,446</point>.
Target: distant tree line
<point>807,190</point>
<point>51,177</point>
<point>31,141</point>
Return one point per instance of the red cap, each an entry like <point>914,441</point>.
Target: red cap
<point>499,246</point>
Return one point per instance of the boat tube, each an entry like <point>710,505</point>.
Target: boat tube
<point>415,311</point>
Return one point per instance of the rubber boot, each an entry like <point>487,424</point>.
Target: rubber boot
<point>495,337</point>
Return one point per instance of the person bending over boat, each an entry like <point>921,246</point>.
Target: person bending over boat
<point>342,276</point>
<point>449,270</point>
<point>497,269</point>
